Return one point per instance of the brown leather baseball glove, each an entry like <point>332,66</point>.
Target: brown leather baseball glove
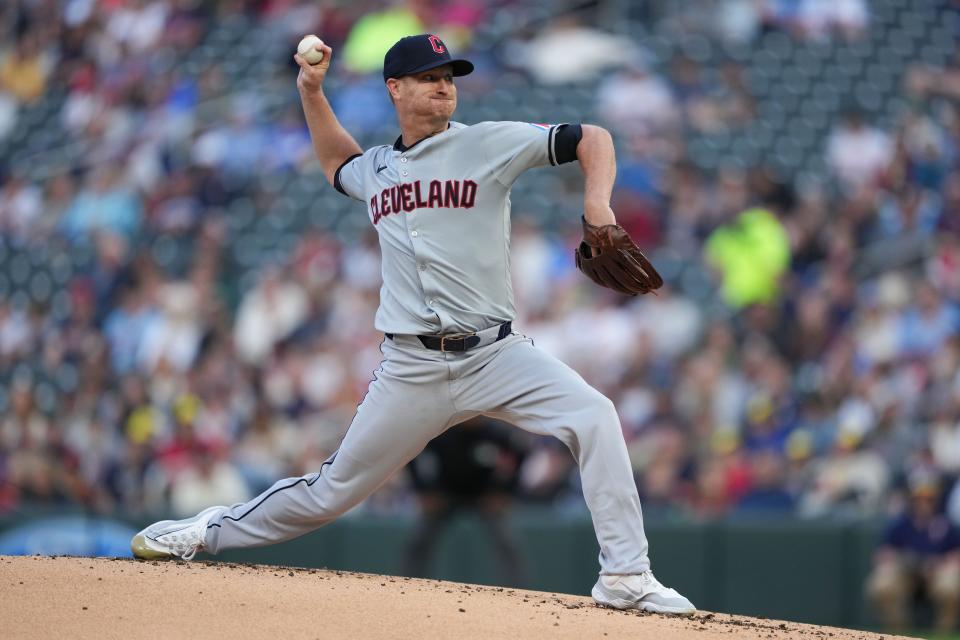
<point>610,258</point>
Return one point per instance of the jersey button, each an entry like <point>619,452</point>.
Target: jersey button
<point>404,173</point>
<point>422,267</point>
<point>414,233</point>
<point>433,302</point>
<point>403,159</point>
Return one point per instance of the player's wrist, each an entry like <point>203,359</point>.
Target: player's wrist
<point>598,213</point>
<point>310,89</point>
<point>312,94</point>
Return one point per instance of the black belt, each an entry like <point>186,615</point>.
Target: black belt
<point>458,341</point>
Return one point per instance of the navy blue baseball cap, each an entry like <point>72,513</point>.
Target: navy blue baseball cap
<point>414,54</point>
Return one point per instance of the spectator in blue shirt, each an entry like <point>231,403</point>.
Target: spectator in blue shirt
<point>768,494</point>
<point>919,556</point>
<point>107,204</point>
<point>926,325</point>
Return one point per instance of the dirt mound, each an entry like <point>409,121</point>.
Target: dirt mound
<point>104,598</point>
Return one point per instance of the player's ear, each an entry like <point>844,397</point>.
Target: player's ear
<point>393,89</point>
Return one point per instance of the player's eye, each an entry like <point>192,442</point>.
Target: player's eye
<point>433,78</point>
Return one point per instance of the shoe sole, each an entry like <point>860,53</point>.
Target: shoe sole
<point>619,603</point>
<point>139,544</point>
<point>142,552</point>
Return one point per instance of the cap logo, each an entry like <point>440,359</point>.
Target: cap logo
<point>437,44</point>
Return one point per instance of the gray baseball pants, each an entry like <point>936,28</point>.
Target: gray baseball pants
<point>419,393</point>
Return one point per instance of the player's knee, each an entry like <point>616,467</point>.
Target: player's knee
<point>605,411</point>
<point>597,415</point>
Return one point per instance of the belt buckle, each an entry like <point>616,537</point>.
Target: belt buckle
<point>453,336</point>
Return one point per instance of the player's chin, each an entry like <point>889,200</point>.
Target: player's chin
<point>443,107</point>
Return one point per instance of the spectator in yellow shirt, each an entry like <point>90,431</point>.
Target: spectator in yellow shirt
<point>751,253</point>
<point>372,34</point>
<point>24,71</point>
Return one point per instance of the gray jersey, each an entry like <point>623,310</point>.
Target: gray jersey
<point>442,211</point>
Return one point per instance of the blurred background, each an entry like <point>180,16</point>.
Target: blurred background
<point>186,305</point>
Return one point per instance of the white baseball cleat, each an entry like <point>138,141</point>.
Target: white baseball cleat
<point>173,538</point>
<point>640,591</point>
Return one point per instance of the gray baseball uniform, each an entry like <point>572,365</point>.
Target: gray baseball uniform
<point>442,211</point>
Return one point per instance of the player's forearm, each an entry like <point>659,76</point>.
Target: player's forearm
<point>599,164</point>
<point>331,142</point>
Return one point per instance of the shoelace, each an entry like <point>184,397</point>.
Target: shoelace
<point>184,544</point>
<point>649,578</point>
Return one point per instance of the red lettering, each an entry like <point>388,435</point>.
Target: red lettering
<point>469,194</point>
<point>420,202</point>
<point>384,203</point>
<point>436,194</point>
<point>410,197</point>
<point>395,200</point>
<point>451,194</point>
<point>406,191</point>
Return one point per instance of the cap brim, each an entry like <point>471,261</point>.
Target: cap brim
<point>460,67</point>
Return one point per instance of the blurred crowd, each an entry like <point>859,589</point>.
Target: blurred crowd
<point>820,371</point>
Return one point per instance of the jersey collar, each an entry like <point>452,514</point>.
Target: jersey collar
<point>399,146</point>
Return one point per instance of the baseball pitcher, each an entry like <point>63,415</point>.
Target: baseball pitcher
<point>439,198</point>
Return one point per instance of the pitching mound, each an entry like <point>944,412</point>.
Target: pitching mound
<point>104,598</point>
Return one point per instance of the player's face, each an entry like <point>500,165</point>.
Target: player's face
<point>429,93</point>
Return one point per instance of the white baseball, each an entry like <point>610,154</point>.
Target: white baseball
<point>308,51</point>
